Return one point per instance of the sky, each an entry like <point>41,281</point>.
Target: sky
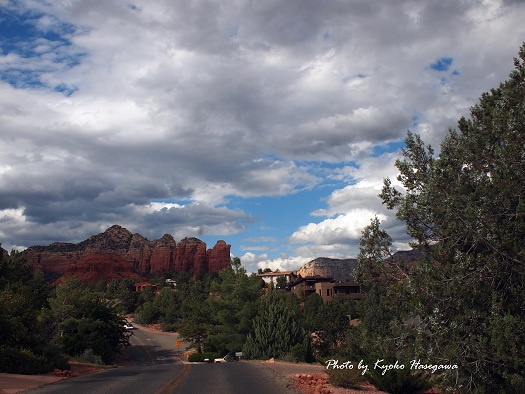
<point>268,124</point>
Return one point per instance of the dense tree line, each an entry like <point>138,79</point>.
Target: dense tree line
<point>23,293</point>
<point>42,325</point>
<point>232,311</point>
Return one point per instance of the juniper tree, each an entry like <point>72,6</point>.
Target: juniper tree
<point>465,210</point>
<point>276,329</point>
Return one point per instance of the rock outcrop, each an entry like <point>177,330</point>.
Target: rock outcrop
<point>117,250</point>
<point>338,269</point>
<point>94,267</point>
<point>344,269</point>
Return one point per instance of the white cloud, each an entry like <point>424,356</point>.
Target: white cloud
<point>253,262</point>
<point>333,230</point>
<point>350,210</point>
<point>210,102</point>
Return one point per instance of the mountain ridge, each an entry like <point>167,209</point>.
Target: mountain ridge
<point>117,252</point>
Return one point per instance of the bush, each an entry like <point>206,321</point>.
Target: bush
<point>347,378</point>
<point>26,361</point>
<point>201,357</point>
<point>301,352</point>
<point>147,313</point>
<point>169,327</point>
<point>90,357</point>
<point>399,381</point>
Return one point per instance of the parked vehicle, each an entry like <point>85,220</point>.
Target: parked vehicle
<point>229,357</point>
<point>129,326</point>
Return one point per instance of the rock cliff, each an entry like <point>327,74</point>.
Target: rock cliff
<point>344,269</point>
<point>117,252</point>
<point>340,270</point>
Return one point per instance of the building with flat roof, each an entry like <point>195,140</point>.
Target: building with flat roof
<point>271,276</point>
<point>326,287</point>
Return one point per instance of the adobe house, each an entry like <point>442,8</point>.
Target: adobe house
<point>139,287</point>
<point>326,287</point>
<point>331,290</point>
<point>303,287</point>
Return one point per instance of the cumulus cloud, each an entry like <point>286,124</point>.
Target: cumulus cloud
<point>334,230</point>
<point>350,209</point>
<point>253,262</point>
<point>162,116</point>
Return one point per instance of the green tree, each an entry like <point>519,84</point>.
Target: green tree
<point>466,211</point>
<point>334,326</point>
<point>388,305</point>
<point>82,320</point>
<point>311,318</point>
<point>195,311</point>
<point>328,321</point>
<point>122,291</point>
<point>276,329</point>
<point>233,305</point>
<point>168,303</point>
<point>148,313</point>
<point>281,282</point>
<point>24,345</point>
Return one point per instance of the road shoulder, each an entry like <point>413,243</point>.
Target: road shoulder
<point>14,383</point>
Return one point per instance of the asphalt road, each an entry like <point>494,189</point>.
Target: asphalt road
<point>231,378</point>
<point>151,367</point>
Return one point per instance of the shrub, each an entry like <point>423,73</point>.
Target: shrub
<point>399,381</point>
<point>301,352</point>
<point>22,361</point>
<point>169,327</point>
<point>347,378</point>
<point>89,356</point>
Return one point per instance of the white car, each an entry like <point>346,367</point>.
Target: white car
<point>221,360</point>
<point>128,326</point>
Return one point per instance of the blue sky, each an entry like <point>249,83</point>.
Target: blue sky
<point>269,125</point>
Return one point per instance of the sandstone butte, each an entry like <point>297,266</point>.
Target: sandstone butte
<point>117,253</point>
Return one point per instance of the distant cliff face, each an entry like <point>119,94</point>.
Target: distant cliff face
<point>119,252</point>
<point>340,270</point>
<point>343,270</point>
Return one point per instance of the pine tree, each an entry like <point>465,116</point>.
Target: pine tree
<point>276,329</point>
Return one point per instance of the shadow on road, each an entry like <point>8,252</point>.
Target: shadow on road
<point>138,354</point>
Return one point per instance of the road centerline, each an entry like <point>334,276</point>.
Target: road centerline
<point>169,387</point>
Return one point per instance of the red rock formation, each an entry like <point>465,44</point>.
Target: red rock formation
<point>163,255</point>
<point>143,257</point>
<point>95,267</point>
<point>190,256</point>
<point>217,256</point>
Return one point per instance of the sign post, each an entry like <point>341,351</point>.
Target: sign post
<point>179,344</point>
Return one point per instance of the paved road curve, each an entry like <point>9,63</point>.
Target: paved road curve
<point>151,367</point>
